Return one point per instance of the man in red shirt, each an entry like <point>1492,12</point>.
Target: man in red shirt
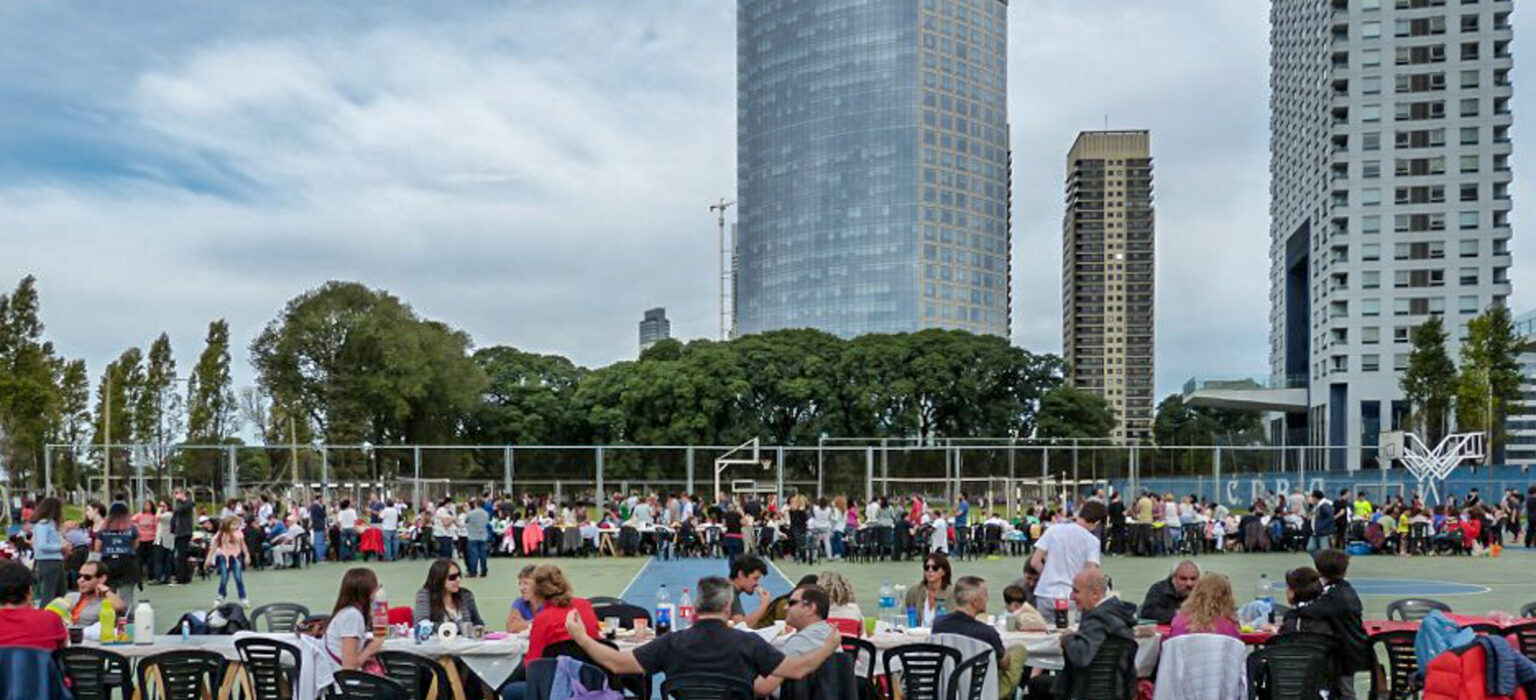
<point>21,624</point>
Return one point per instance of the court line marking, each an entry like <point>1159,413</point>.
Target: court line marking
<point>624,594</point>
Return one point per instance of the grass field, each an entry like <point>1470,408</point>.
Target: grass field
<point>1508,580</point>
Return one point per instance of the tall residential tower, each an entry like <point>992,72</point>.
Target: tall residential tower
<point>1107,274</point>
<point>1389,199</point>
<point>873,165</point>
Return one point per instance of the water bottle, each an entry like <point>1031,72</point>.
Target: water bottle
<point>186,631</point>
<point>108,624</point>
<point>143,623</point>
<point>685,610</point>
<point>887,603</point>
<point>663,611</point>
<point>380,615</point>
<point>1262,591</point>
<point>912,617</point>
<point>938,611</point>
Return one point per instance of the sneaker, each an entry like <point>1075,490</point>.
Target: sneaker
<point>245,603</point>
<point>218,600</point>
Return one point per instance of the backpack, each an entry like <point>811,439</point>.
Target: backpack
<point>567,684</point>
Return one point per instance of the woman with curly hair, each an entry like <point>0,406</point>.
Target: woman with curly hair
<point>1210,609</point>
<point>841,593</point>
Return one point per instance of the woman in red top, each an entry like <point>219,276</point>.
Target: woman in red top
<point>145,522</point>
<point>551,596</point>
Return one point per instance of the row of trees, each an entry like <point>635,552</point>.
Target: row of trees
<point>344,364</point>
<point>1480,393</point>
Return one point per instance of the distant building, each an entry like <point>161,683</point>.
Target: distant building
<point>1107,274</point>
<point>654,328</point>
<point>1521,422</point>
<point>873,166</point>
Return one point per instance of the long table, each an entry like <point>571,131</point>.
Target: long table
<point>1044,648</point>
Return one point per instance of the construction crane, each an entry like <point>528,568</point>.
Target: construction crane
<point>725,271</point>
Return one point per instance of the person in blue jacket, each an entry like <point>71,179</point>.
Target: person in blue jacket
<point>47,551</point>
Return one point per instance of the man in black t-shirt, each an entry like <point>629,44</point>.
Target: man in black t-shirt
<point>709,646</point>
<point>966,621</point>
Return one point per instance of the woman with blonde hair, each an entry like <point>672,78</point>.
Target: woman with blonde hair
<point>841,593</point>
<point>1210,609</point>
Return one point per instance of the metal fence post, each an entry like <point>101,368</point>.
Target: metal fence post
<point>1045,473</point>
<point>138,479</point>
<point>869,474</point>
<point>689,488</point>
<point>325,472</point>
<point>779,451</point>
<point>1010,499</point>
<point>508,468</point>
<point>958,486</point>
<point>230,488</point>
<point>416,480</point>
<point>48,470</point>
<point>599,474</point>
<point>1216,476</point>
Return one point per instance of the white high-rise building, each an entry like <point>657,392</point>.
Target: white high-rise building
<point>1390,199</point>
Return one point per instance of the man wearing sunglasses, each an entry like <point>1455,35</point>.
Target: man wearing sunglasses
<point>807,616</point>
<point>92,592</point>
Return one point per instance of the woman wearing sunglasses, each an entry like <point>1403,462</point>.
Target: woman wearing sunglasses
<point>91,594</point>
<point>934,590</point>
<point>444,598</point>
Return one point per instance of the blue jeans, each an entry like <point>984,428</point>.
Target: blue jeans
<point>516,690</point>
<point>837,544</point>
<point>445,547</point>
<point>475,561</point>
<point>228,565</point>
<point>1317,542</point>
<point>389,545</point>
<point>317,538</point>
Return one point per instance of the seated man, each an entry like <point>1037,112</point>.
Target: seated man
<point>711,645</point>
<point>1165,597</point>
<point>284,541</point>
<point>968,621</point>
<point>21,623</point>
<point>746,571</point>
<point>1103,617</point>
<point>809,606</point>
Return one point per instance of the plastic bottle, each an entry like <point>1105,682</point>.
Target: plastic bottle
<point>380,614</point>
<point>143,623</point>
<point>1062,606</point>
<point>663,611</point>
<point>939,611</point>
<point>1262,591</point>
<point>887,603</point>
<point>108,625</point>
<point>186,631</point>
<point>685,610</point>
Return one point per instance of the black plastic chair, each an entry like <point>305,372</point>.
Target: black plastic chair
<point>1402,667</point>
<point>705,686</point>
<point>93,673</point>
<point>921,668</point>
<point>541,676</point>
<point>1525,633</point>
<point>864,654</point>
<point>270,674</point>
<point>969,681</point>
<point>1414,609</point>
<point>280,617</point>
<point>191,674</point>
<point>1291,670</point>
<point>1110,676</point>
<point>835,679</point>
<point>360,685</point>
<point>626,613</point>
<point>1528,610</point>
<point>415,673</point>
<point>601,600</point>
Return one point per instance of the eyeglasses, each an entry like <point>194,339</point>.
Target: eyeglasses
<point>89,577</point>
<point>453,577</point>
<point>793,602</point>
<point>933,567</point>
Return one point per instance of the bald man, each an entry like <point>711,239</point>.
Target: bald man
<point>1165,597</point>
<point>1104,616</point>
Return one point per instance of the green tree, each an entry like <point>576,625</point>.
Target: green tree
<point>121,384</point>
<point>1180,424</point>
<point>158,412</point>
<point>28,395</point>
<point>212,415</point>
<point>1068,412</point>
<point>528,399</point>
<point>1429,384</point>
<point>1489,378</point>
<point>72,422</point>
<point>359,365</point>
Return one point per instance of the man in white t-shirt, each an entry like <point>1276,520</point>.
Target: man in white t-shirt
<point>1063,551</point>
<point>939,542</point>
<point>346,522</point>
<point>389,523</point>
<point>445,529</point>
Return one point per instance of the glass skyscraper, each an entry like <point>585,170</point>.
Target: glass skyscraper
<point>873,165</point>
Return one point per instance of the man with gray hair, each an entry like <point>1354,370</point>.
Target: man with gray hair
<point>1104,616</point>
<point>1165,597</point>
<point>968,620</point>
<point>709,646</point>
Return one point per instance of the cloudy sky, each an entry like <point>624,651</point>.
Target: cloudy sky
<point>537,173</point>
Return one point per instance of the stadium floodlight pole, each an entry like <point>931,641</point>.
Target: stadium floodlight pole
<point>725,320</point>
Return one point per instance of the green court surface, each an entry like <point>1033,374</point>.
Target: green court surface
<point>1508,580</point>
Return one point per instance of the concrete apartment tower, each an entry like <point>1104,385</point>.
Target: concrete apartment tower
<point>1107,274</point>
<point>1389,201</point>
<point>873,165</point>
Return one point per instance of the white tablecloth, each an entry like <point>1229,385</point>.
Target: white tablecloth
<point>1044,648</point>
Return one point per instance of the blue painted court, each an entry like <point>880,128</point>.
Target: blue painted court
<point>675,574</point>
<point>1403,587</point>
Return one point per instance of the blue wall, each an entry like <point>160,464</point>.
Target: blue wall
<point>1240,490</point>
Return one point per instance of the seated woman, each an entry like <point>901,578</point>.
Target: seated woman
<point>934,590</point>
<point>550,593</point>
<point>348,635</point>
<point>1210,609</point>
<point>84,605</point>
<point>522,612</point>
<point>841,593</point>
<point>444,598</point>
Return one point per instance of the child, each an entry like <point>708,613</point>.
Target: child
<point>228,550</point>
<point>1340,607</point>
<point>1022,617</point>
